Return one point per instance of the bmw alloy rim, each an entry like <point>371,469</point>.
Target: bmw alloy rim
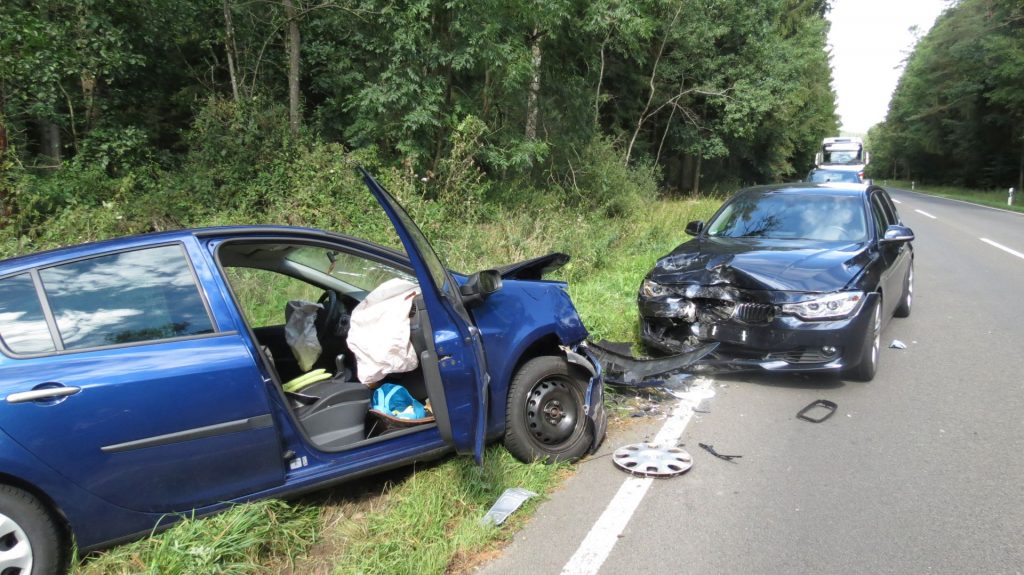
<point>15,549</point>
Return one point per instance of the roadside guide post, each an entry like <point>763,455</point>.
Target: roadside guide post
<point>1009,199</point>
<point>912,184</point>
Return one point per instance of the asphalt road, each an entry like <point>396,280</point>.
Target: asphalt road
<point>919,471</point>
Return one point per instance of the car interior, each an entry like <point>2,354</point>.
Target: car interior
<point>335,412</point>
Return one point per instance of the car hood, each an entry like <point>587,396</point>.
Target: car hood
<point>760,264</point>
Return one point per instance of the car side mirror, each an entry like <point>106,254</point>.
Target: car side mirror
<point>695,227</point>
<point>897,235</point>
<point>480,285</point>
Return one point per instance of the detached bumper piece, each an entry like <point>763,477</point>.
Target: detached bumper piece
<point>622,369</point>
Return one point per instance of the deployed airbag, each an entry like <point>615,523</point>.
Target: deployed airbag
<point>379,331</point>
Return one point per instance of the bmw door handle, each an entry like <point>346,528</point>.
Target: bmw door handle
<point>42,394</point>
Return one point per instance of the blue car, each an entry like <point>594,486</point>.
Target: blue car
<point>146,377</point>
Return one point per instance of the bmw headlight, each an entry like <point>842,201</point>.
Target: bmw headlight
<point>832,306</point>
<point>653,289</point>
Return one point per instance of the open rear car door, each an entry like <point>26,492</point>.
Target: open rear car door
<point>460,354</point>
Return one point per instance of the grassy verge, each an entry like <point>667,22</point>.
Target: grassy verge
<point>992,198</point>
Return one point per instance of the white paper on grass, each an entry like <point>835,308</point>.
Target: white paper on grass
<point>378,332</point>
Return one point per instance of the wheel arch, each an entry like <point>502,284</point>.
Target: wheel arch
<point>55,511</point>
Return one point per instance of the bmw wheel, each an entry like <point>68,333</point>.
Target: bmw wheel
<point>868,364</point>
<point>29,539</point>
<point>544,417</point>
<point>903,310</point>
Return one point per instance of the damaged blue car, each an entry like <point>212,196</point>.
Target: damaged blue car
<point>140,381</point>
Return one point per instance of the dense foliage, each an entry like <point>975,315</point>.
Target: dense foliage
<point>957,115</point>
<point>125,116</point>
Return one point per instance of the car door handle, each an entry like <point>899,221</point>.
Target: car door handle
<point>44,393</point>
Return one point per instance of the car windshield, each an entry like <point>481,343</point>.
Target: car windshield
<point>810,216</point>
<point>822,176</point>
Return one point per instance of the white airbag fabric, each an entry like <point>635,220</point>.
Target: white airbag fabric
<point>378,334</point>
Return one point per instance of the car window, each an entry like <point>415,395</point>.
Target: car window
<point>359,272</point>
<point>792,216</point>
<point>262,295</point>
<point>127,297</point>
<point>879,214</point>
<point>22,323</point>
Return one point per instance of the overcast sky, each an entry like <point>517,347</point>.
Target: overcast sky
<point>870,39</point>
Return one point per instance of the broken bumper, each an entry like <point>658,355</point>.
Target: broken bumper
<point>776,343</point>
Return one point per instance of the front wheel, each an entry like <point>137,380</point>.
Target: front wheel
<point>903,309</point>
<point>868,364</point>
<point>544,417</point>
<point>29,539</point>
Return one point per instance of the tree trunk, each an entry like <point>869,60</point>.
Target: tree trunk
<point>650,96</point>
<point>229,47</point>
<point>532,110</point>
<point>49,141</point>
<point>696,175</point>
<point>600,80</point>
<point>294,117</point>
<point>1020,170</point>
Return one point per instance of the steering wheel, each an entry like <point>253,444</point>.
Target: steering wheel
<point>327,319</point>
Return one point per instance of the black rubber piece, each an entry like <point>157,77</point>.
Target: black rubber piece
<point>829,405</point>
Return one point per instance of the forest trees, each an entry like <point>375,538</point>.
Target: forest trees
<point>708,90</point>
<point>957,115</point>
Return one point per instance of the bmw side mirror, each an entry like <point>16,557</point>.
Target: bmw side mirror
<point>897,235</point>
<point>693,228</point>
<point>479,286</point>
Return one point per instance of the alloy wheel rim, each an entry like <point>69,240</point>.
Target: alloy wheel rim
<point>552,411</point>
<point>876,341</point>
<point>15,549</point>
<point>910,286</point>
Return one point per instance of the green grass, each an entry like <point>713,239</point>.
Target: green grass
<point>237,542</point>
<point>993,198</point>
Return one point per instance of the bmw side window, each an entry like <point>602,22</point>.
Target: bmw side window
<point>22,323</point>
<point>128,297</point>
<point>880,223</point>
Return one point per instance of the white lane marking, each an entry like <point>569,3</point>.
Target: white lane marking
<point>1002,247</point>
<point>598,543</point>
<point>1004,210</point>
<point>896,201</point>
<point>926,214</point>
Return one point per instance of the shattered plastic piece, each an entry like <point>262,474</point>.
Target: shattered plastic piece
<point>711,449</point>
<point>829,406</point>
<point>506,505</point>
<point>647,460</point>
<point>625,370</point>
<point>897,344</point>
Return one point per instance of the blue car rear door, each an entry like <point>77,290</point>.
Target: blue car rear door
<point>130,388</point>
<point>457,341</point>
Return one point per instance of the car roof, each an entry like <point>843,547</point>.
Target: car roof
<point>47,257</point>
<point>807,188</point>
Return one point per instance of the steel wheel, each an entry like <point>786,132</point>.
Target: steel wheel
<point>552,411</point>
<point>544,417</point>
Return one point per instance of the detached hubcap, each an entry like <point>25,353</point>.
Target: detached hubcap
<point>551,411</point>
<point>15,550</point>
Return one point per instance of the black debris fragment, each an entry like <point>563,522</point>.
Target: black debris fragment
<point>711,449</point>
<point>829,406</point>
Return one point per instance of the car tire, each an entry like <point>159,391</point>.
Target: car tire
<point>544,419</point>
<point>30,542</point>
<point>868,365</point>
<point>903,309</point>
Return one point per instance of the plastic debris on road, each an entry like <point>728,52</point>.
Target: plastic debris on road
<point>897,344</point>
<point>512,499</point>
<point>648,460</point>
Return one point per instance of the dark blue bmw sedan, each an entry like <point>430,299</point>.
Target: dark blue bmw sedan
<point>795,277</point>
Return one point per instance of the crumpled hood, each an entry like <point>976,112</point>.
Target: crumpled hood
<point>760,264</point>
